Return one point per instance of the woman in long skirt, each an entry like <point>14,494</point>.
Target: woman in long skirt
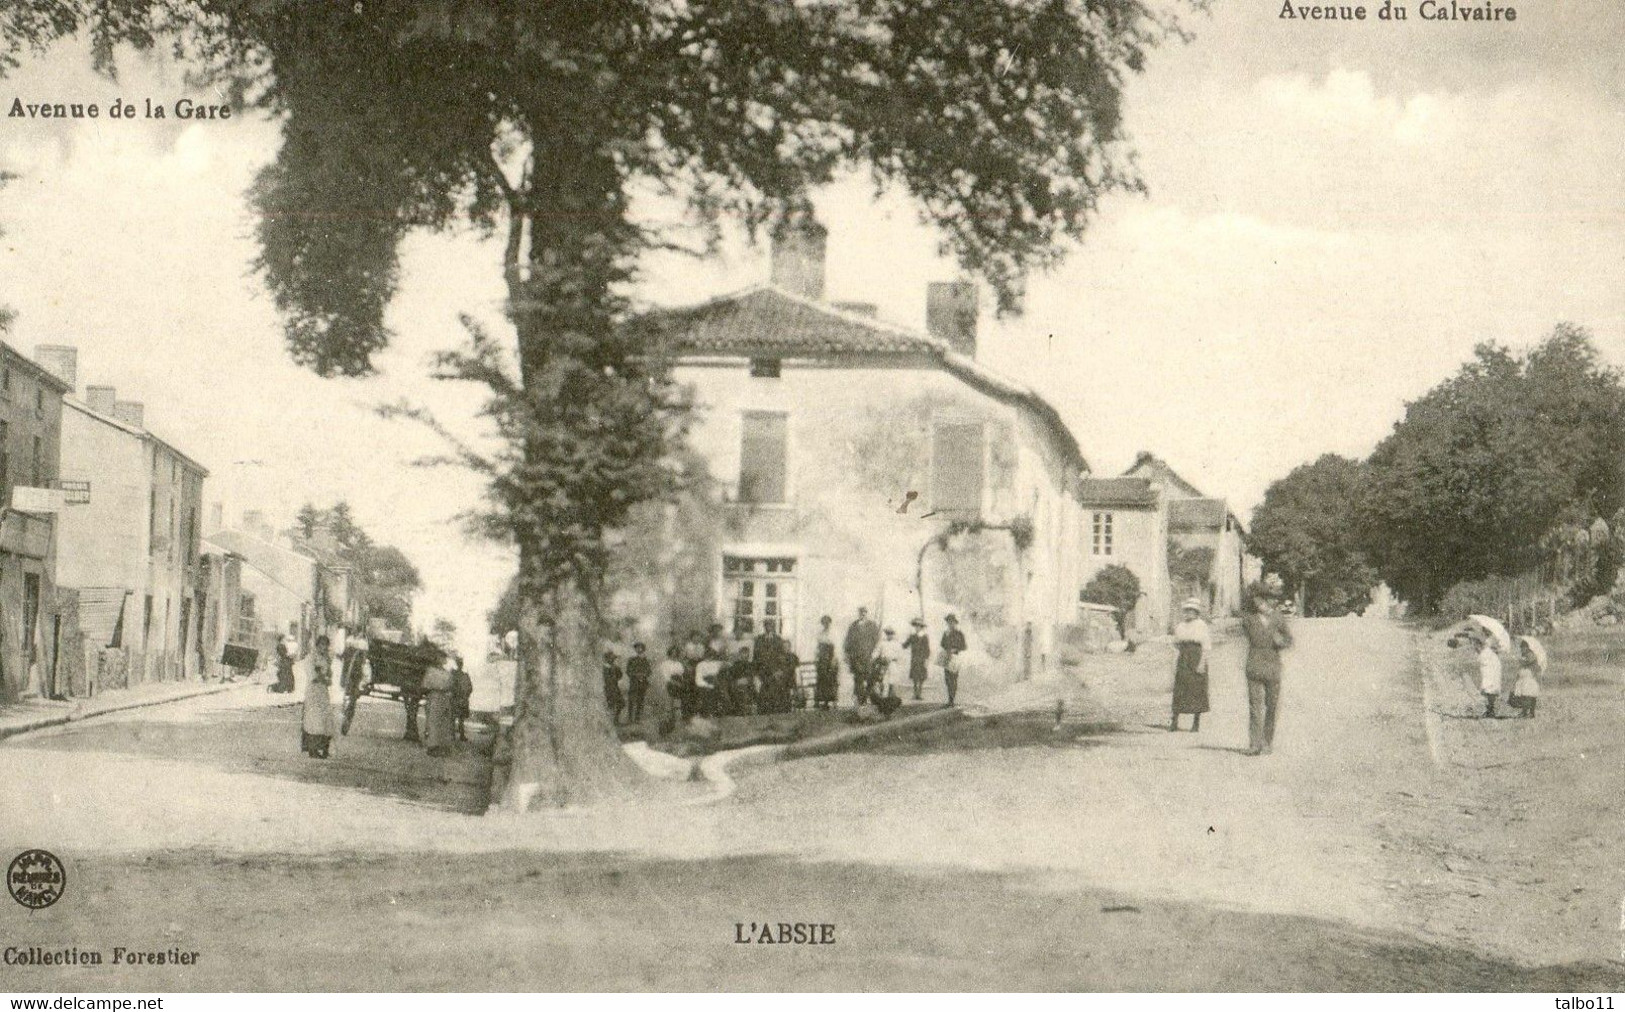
<point>1194,642</point>
<point>828,670</point>
<point>439,685</point>
<point>316,732</point>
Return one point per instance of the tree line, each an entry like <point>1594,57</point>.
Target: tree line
<point>1507,478</point>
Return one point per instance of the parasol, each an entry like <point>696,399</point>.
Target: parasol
<point>1494,628</point>
<point>1537,649</point>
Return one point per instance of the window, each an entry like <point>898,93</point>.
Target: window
<point>1101,540</point>
<point>5,381</point>
<point>765,368</point>
<point>146,623</point>
<point>152,519</point>
<point>170,530</point>
<point>763,463</point>
<point>39,463</point>
<point>757,591</point>
<point>191,536</point>
<point>5,456</point>
<point>39,401</point>
<point>956,470</point>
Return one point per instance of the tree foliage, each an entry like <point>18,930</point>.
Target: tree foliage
<point>1489,466</point>
<point>537,121</point>
<point>1115,586</point>
<point>1308,530</point>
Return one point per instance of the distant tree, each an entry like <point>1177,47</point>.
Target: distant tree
<point>443,633</point>
<point>1004,119</point>
<point>1116,587</point>
<point>1486,465</point>
<point>1308,530</point>
<point>307,520</point>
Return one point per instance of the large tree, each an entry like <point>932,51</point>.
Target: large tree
<point>383,577</point>
<point>1488,467</point>
<point>1307,529</point>
<point>539,120</point>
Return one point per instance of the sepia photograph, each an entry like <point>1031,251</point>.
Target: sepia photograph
<point>887,496</point>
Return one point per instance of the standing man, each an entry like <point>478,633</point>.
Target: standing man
<point>638,673</point>
<point>1267,635</point>
<point>953,644</point>
<point>918,646</point>
<point>862,637</point>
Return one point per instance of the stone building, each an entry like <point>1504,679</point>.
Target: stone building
<point>862,464</point>
<point>30,447</point>
<point>1178,541</point>
<point>130,539</point>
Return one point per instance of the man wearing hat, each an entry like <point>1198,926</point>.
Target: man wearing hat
<point>918,646</point>
<point>953,644</point>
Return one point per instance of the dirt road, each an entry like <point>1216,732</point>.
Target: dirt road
<point>1106,854</point>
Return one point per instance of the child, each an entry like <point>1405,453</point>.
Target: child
<point>1531,665</point>
<point>1489,672</point>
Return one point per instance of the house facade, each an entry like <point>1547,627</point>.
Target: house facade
<point>131,546</point>
<point>860,464</point>
<point>30,448</point>
<point>1178,541</point>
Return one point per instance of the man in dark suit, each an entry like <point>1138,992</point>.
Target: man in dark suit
<point>1267,635</point>
<point>862,637</point>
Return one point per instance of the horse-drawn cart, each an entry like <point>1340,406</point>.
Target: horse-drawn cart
<point>397,671</point>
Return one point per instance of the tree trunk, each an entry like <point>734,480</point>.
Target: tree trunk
<point>564,748</point>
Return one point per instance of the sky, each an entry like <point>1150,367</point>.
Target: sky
<point>1338,213</point>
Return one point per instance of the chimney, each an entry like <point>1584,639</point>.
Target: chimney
<point>129,412</point>
<point>61,361</point>
<point>798,255</point>
<point>950,314</point>
<point>101,399</point>
<point>868,310</point>
<point>217,517</point>
<point>254,522</point>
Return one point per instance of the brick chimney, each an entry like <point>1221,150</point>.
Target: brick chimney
<point>61,361</point>
<point>217,517</point>
<point>101,399</point>
<point>130,413</point>
<point>799,242</point>
<point>950,314</point>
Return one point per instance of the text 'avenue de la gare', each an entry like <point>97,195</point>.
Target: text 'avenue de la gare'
<point>1427,10</point>
<point>181,108</point>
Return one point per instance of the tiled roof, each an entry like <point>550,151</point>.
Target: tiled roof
<point>1191,514</point>
<point>768,321</point>
<point>1117,492</point>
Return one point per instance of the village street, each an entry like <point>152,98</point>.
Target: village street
<point>1384,845</point>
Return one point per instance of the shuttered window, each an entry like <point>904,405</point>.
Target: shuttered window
<point>764,457</point>
<point>957,470</point>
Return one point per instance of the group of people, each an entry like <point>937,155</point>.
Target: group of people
<point>876,660</point>
<point>712,675</point>
<point>1525,693</point>
<point>1267,635</point>
<point>447,688</point>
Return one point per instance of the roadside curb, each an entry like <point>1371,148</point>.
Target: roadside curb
<point>720,768</point>
<point>57,720</point>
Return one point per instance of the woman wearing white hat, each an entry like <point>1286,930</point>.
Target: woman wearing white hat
<point>1194,641</point>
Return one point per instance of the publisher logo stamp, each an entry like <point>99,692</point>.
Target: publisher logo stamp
<point>36,879</point>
